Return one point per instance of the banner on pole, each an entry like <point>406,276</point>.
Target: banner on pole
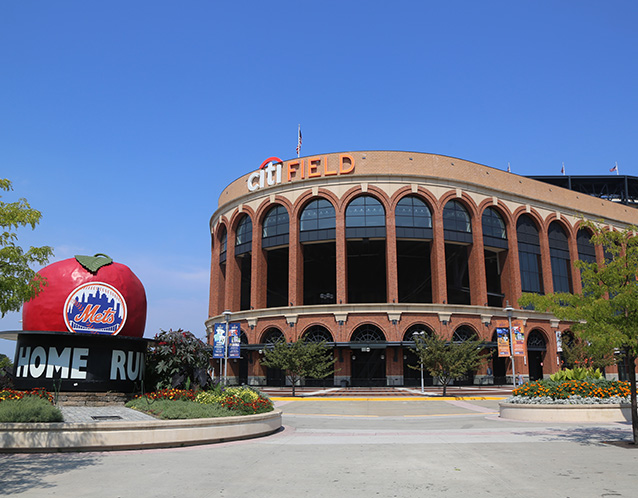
<point>219,340</point>
<point>503,339</point>
<point>518,333</point>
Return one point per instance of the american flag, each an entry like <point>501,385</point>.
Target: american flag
<point>509,170</point>
<point>615,168</point>
<point>299,140</point>
<point>562,170</point>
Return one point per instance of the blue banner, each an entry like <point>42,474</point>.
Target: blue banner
<point>219,340</point>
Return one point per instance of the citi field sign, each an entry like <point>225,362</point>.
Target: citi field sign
<point>273,171</point>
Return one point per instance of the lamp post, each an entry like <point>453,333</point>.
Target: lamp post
<point>508,309</point>
<point>227,314</point>
<point>422,335</point>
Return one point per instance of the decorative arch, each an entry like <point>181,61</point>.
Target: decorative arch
<point>367,333</point>
<point>271,335</point>
<point>317,333</point>
<point>464,333</point>
<point>408,335</point>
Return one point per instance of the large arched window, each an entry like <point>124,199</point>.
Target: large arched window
<point>529,255</point>
<point>368,333</point>
<point>317,236</point>
<point>495,254</point>
<point>586,250</point>
<point>275,242</point>
<point>365,217</point>
<point>317,221</point>
<point>416,329</point>
<point>559,255</point>
<point>464,333</point>
<point>366,249</point>
<point>413,219</point>
<point>275,228</point>
<point>414,246</point>
<point>272,336</point>
<point>456,222</point>
<point>243,247</point>
<point>244,235</point>
<point>223,240</point>
<point>317,333</point>
<point>457,229</point>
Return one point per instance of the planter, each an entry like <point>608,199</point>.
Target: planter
<point>565,413</point>
<point>134,435</point>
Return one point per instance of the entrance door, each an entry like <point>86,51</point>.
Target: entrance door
<point>368,368</point>
<point>536,347</point>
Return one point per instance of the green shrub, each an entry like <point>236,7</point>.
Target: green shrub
<point>178,408</point>
<point>577,373</point>
<point>177,359</point>
<point>29,409</point>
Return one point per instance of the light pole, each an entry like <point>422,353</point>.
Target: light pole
<point>227,314</point>
<point>422,335</point>
<point>508,309</point>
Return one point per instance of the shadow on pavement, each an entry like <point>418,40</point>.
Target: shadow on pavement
<point>23,472</point>
<point>587,436</point>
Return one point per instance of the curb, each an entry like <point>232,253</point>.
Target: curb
<point>128,435</point>
<point>565,413</point>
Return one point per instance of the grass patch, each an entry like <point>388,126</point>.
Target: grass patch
<point>29,409</point>
<point>179,408</point>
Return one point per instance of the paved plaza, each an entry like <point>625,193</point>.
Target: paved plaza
<point>357,447</point>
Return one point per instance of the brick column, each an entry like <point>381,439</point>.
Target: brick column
<point>546,262</point>
<point>476,262</point>
<point>437,258</point>
<point>341,258</point>
<point>217,282</point>
<point>233,275</point>
<point>295,264</point>
<point>258,269</point>
<point>392,282</point>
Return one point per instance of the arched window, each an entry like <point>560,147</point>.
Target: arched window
<point>317,333</point>
<point>272,336</point>
<point>456,222</point>
<point>222,249</point>
<point>244,236</point>
<point>365,218</point>
<point>494,233</point>
<point>368,333</point>
<point>275,228</point>
<point>559,255</point>
<point>495,254</point>
<point>366,250</point>
<point>416,329</point>
<point>464,333</point>
<point>317,221</point>
<point>529,255</point>
<point>413,219</point>
<point>457,229</point>
<point>586,250</point>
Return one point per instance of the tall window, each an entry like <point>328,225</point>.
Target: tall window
<point>244,236</point>
<point>275,242</point>
<point>586,250</point>
<point>222,249</point>
<point>494,233</point>
<point>457,228</point>
<point>317,221</point>
<point>276,227</point>
<point>413,218</point>
<point>495,254</point>
<point>559,255</point>
<point>414,235</point>
<point>529,255</point>
<point>366,266</point>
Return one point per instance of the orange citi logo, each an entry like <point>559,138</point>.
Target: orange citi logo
<point>272,170</point>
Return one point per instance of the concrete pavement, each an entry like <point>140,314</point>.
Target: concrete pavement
<point>394,447</point>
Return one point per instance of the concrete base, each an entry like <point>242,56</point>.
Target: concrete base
<point>101,436</point>
<point>565,413</point>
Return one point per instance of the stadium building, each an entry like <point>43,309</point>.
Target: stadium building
<point>366,249</point>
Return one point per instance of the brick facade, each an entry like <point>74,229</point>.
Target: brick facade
<point>389,177</point>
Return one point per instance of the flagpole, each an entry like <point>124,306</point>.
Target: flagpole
<point>617,168</point>
<point>298,139</point>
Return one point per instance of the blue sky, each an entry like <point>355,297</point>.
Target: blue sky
<point>123,121</point>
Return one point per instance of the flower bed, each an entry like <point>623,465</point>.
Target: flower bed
<point>38,392</point>
<point>591,400</point>
<point>573,389</point>
<point>235,400</point>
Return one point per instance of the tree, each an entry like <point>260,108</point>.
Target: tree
<point>177,359</point>
<point>300,359</point>
<point>605,313</point>
<point>447,360</point>
<point>18,282</point>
